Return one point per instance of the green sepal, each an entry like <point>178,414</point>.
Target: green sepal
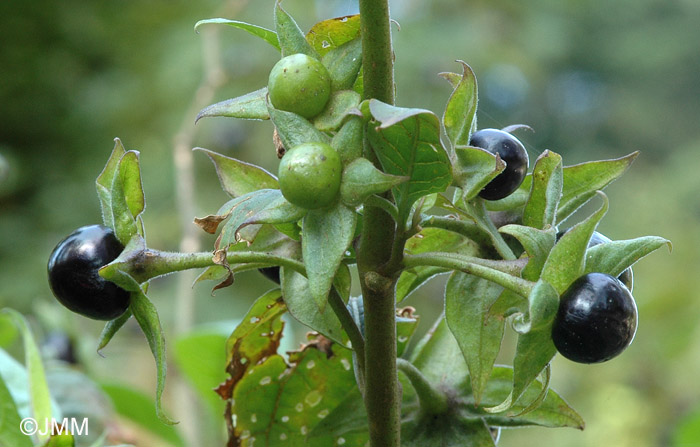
<point>543,303</point>
<point>459,117</point>
<point>348,140</point>
<point>294,129</point>
<point>541,207</point>
<point>251,106</point>
<point>616,256</point>
<point>473,168</point>
<point>537,245</point>
<point>291,38</point>
<point>111,328</point>
<point>238,177</point>
<point>326,236</point>
<point>339,105</point>
<point>343,64</point>
<point>265,34</point>
<point>361,179</point>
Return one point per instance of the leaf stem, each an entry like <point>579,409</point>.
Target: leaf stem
<point>432,400</point>
<point>500,272</point>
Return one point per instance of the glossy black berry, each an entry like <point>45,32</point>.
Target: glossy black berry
<point>627,276</point>
<point>596,320</point>
<point>271,273</point>
<point>511,151</point>
<point>73,276</point>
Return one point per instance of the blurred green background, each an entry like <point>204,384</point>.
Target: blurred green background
<point>595,80</point>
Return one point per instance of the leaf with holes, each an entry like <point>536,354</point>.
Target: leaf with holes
<point>407,142</point>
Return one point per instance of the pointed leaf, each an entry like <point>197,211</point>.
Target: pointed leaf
<point>130,175</point>
<point>534,351</point>
<point>543,303</point>
<point>474,168</point>
<point>446,431</point>
<point>330,34</point>
<point>537,245</point>
<point>251,106</point>
<point>616,256</point>
<point>541,208</point>
<point>237,177</point>
<point>126,197</point>
<point>265,34</point>
<point>326,235</point>
<point>467,301</point>
<point>460,114</point>
<point>291,38</point>
<point>339,105</point>
<point>438,356</point>
<point>583,180</point>
<point>297,297</point>
<point>361,179</point>
<point>147,316</point>
<point>111,328</point>
<point>407,142</point>
<point>567,259</point>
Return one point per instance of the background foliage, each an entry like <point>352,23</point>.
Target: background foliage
<point>594,79</point>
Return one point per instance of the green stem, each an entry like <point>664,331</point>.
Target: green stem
<point>499,272</point>
<point>432,400</point>
<point>382,395</point>
<point>465,228</point>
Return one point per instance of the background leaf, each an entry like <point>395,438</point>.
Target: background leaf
<point>10,435</point>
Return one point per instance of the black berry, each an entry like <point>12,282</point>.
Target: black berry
<point>596,320</point>
<point>271,273</point>
<point>73,276</point>
<point>511,151</point>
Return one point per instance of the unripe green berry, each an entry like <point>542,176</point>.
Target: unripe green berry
<point>299,84</point>
<point>309,175</point>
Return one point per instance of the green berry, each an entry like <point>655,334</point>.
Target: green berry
<point>309,175</point>
<point>299,84</point>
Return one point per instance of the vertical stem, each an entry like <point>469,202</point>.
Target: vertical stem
<point>382,394</point>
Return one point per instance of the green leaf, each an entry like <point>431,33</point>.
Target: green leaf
<point>583,180</point>
<point>130,179</point>
<point>10,435</point>
<point>474,168</point>
<point>297,297</point>
<point>407,142</point>
<point>291,38</point>
<point>339,105</point>
<point>326,235</point>
<point>552,412</point>
<point>147,316</point>
<point>439,358</point>
<point>294,129</point>
<point>406,325</point>
<point>615,256</point>
<point>348,140</point>
<point>459,118</point>
<point>467,303</point>
<point>38,389</point>
<point>361,179</point>
<point>543,303</point>
<point>446,431</point>
<point>330,34</point>
<point>343,64</point>
<point>136,407</point>
<point>537,245</point>
<point>198,356</point>
<point>265,34</point>
<point>541,208</point>
<point>313,401</point>
<point>8,331</point>
<point>567,259</point>
<point>251,106</point>
<point>237,177</point>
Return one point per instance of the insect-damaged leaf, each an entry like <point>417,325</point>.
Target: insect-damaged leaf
<point>407,142</point>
